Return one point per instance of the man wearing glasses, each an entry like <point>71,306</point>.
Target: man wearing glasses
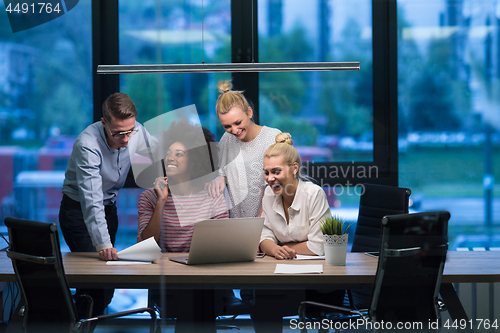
<point>97,169</point>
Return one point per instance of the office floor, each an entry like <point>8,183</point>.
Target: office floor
<point>238,325</point>
<point>126,299</point>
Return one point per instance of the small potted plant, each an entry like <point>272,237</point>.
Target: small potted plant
<point>335,235</point>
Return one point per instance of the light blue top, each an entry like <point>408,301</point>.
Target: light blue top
<point>96,172</point>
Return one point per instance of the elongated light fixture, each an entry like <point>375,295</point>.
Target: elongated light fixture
<point>230,67</point>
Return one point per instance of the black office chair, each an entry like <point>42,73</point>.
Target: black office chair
<point>410,266</point>
<point>36,257</point>
<point>375,202</point>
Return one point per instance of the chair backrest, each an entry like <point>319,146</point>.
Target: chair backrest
<point>36,257</point>
<point>377,201</point>
<point>411,262</point>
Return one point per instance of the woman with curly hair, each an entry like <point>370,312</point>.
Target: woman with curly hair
<point>169,210</point>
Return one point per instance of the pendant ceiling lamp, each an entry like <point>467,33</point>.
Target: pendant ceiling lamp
<point>229,67</point>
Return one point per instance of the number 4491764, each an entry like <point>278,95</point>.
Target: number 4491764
<point>34,8</point>
<point>471,324</point>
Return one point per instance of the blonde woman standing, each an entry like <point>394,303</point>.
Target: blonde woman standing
<point>241,151</point>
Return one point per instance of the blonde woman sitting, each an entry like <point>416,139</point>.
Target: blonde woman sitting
<point>292,206</point>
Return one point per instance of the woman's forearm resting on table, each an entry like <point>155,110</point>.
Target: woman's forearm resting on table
<point>301,248</point>
<point>286,251</point>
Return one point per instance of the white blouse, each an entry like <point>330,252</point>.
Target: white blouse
<point>308,209</point>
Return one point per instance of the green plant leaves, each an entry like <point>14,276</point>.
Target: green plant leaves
<point>333,226</point>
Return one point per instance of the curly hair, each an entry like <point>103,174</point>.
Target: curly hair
<point>203,159</point>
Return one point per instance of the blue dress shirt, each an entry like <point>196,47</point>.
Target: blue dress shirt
<point>96,172</point>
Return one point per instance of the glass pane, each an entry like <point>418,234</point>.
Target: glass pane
<point>448,113</point>
<point>181,32</point>
<point>161,32</point>
<point>45,102</point>
<point>329,114</point>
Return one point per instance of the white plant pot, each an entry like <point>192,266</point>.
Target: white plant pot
<point>335,249</point>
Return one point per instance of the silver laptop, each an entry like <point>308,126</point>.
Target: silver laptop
<point>224,240</point>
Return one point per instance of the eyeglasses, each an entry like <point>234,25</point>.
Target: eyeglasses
<point>122,134</point>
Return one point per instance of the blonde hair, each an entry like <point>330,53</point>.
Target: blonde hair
<point>229,98</point>
<point>284,147</point>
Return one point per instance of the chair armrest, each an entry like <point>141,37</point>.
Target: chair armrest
<point>125,313</point>
<point>35,259</point>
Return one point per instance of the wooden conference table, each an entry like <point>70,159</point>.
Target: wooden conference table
<point>86,270</point>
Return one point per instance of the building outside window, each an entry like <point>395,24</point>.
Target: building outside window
<point>449,123</point>
<point>45,102</point>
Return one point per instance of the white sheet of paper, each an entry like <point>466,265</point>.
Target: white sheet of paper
<point>298,269</point>
<point>147,250</point>
<point>127,262</point>
<point>306,257</point>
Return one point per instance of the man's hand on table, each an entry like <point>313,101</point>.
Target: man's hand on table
<point>108,254</point>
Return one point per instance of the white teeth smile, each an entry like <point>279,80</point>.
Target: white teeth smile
<point>171,166</point>
<point>276,186</point>
<point>239,133</point>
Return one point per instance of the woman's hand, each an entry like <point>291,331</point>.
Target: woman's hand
<point>161,188</point>
<point>284,252</point>
<point>216,187</point>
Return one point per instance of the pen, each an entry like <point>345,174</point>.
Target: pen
<point>163,167</point>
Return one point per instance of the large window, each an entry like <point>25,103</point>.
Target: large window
<point>337,117</point>
<point>344,124</point>
<point>181,32</point>
<point>427,94</point>
<point>329,114</point>
<point>45,102</point>
<point>449,70</point>
<point>164,32</point>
